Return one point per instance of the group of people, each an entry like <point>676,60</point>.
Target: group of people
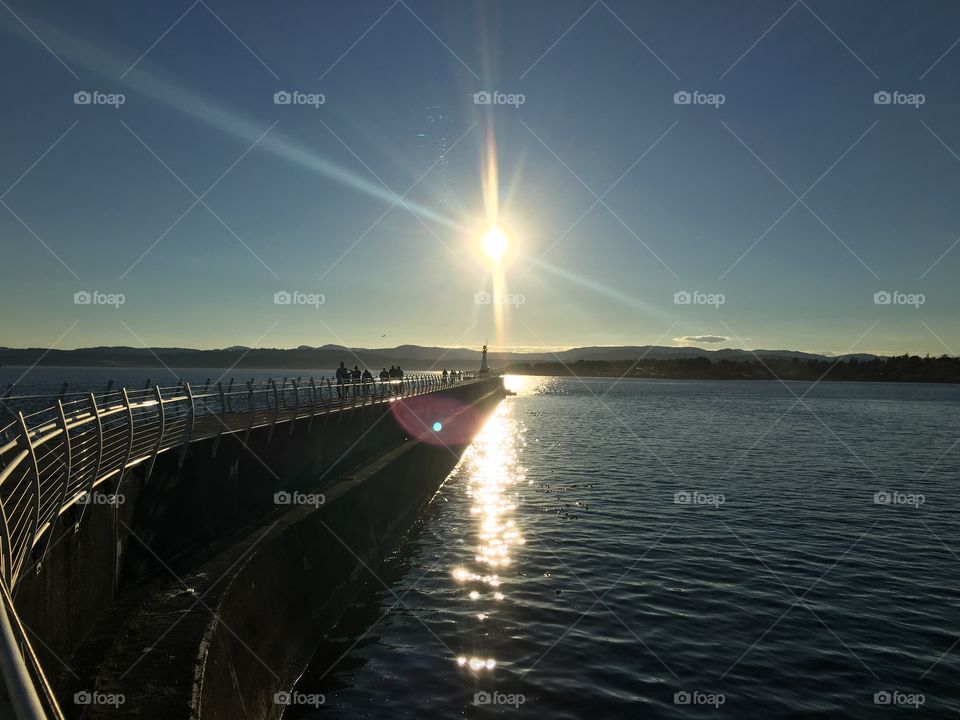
<point>359,381</point>
<point>453,376</point>
<point>362,381</point>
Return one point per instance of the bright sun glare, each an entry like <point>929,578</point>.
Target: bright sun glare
<point>495,243</point>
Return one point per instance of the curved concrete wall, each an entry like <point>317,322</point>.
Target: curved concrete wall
<point>81,603</point>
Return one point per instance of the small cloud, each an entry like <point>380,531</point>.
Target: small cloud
<point>696,339</point>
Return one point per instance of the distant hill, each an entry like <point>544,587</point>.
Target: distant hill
<point>411,357</point>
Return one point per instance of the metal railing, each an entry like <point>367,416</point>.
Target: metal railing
<point>56,450</point>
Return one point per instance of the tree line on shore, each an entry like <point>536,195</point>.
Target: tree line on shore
<point>902,368</point>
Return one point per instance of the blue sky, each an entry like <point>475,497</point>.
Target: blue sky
<point>794,201</point>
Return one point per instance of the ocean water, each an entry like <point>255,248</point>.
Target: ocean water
<point>659,549</point>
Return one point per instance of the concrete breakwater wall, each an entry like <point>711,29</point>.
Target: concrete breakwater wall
<point>197,596</point>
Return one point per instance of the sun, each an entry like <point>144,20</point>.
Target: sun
<point>495,243</point>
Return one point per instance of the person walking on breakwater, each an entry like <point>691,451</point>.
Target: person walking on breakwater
<point>443,377</point>
<point>399,379</point>
<point>342,375</point>
<point>367,381</point>
<point>355,376</point>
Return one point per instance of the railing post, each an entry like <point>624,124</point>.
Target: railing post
<point>252,404</point>
<point>313,398</point>
<point>276,409</point>
<point>95,473</point>
<point>126,458</point>
<point>230,396</point>
<point>223,418</point>
<point>296,404</point>
<point>189,429</point>
<point>68,469</point>
<point>116,492</point>
<point>163,426</point>
<point>25,437</point>
<point>6,551</point>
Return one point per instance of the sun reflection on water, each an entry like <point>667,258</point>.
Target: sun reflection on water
<point>493,474</point>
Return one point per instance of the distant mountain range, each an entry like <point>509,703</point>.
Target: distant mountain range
<point>410,357</point>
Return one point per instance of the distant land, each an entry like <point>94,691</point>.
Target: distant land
<point>634,361</point>
<point>411,357</point>
<point>904,368</point>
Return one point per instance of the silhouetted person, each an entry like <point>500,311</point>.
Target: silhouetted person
<point>443,377</point>
<point>355,376</point>
<point>342,375</point>
<point>367,380</point>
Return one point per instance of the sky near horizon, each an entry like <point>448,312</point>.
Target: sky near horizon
<point>768,174</point>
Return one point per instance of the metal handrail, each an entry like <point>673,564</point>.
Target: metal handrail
<point>52,456</point>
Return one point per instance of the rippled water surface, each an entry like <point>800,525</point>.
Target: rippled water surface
<point>614,549</point>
